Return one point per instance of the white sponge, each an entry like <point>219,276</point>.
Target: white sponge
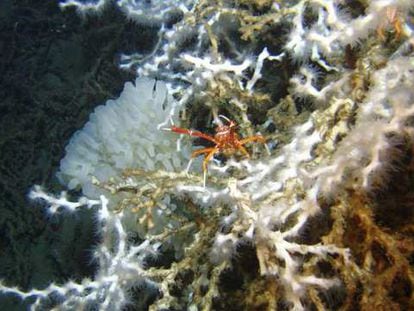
<point>123,133</point>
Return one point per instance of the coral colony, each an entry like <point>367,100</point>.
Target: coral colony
<point>298,225</point>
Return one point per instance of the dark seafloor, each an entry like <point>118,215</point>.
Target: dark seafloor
<point>55,68</point>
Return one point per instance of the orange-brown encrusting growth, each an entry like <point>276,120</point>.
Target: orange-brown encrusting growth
<point>392,20</point>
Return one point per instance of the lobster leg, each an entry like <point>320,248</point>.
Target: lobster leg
<point>181,130</point>
<point>243,150</point>
<point>195,154</point>
<point>198,152</point>
<point>205,162</point>
<point>258,138</point>
<point>208,157</point>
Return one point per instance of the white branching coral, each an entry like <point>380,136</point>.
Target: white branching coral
<point>332,155</point>
<point>120,263</point>
<point>333,29</point>
<point>366,152</point>
<point>144,12</point>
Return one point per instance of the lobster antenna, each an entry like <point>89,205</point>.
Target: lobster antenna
<point>224,118</point>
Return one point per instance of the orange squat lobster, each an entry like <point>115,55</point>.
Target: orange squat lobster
<point>226,141</point>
